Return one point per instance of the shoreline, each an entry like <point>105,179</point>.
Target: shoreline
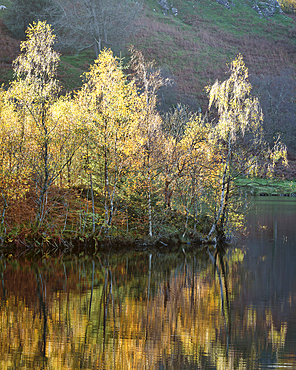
<point>92,247</point>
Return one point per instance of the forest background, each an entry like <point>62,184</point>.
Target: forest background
<point>114,157</point>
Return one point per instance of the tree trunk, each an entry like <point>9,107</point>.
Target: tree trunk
<point>92,203</point>
<point>224,191</point>
<point>149,205</point>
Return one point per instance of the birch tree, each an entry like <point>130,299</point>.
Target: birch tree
<point>149,80</point>
<point>34,93</point>
<point>238,134</point>
<point>112,110</point>
<point>238,129</point>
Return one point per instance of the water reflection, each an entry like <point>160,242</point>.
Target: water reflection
<point>231,309</point>
<point>270,262</point>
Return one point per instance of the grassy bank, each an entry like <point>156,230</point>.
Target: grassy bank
<point>270,187</point>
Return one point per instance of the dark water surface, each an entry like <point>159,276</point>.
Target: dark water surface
<point>152,311</point>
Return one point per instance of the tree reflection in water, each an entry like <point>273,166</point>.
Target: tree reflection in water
<point>135,311</point>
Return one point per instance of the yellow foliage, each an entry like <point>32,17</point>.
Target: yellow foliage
<point>288,6</point>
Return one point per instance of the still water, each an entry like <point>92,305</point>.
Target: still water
<point>159,311</point>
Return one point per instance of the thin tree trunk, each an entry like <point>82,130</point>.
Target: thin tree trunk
<point>92,203</point>
<point>225,181</point>
<point>97,30</point>
<point>116,175</point>
<point>45,181</point>
<point>223,218</point>
<point>149,205</point>
<point>107,189</point>
<point>5,206</point>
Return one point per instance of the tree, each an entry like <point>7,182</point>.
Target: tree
<point>148,80</point>
<point>238,134</point>
<point>190,163</point>
<point>95,23</point>
<point>33,95</point>
<point>112,110</point>
<point>185,148</point>
<point>288,6</point>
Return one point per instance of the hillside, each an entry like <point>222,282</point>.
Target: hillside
<point>192,42</point>
<point>196,45</point>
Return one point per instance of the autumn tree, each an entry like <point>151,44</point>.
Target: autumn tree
<point>33,94</point>
<point>186,141</point>
<point>288,6</point>
<point>238,134</point>
<point>149,80</point>
<point>174,123</point>
<point>191,164</point>
<point>112,109</point>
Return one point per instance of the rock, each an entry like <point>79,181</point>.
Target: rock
<point>266,8</point>
<point>165,6</point>
<point>225,3</point>
<point>175,11</point>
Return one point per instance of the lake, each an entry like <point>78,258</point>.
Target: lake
<point>147,310</point>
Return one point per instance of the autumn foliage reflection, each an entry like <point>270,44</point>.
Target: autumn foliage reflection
<point>106,314</point>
